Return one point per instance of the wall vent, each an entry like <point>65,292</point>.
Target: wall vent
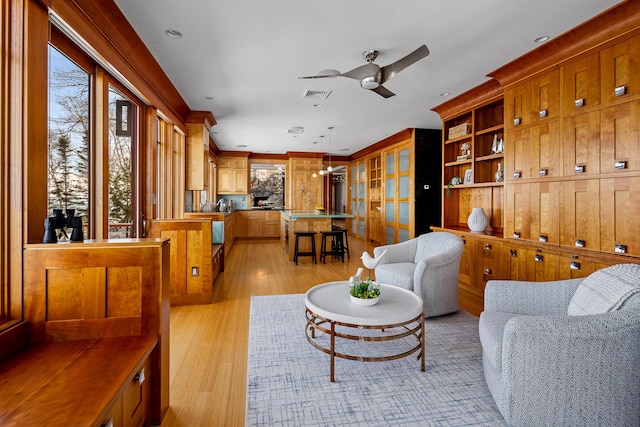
<point>295,130</point>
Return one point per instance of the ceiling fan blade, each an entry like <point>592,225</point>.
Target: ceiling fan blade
<point>394,68</point>
<point>362,71</point>
<point>383,91</point>
<point>324,74</point>
<point>316,77</point>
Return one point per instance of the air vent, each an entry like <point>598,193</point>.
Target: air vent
<point>316,94</point>
<point>295,130</point>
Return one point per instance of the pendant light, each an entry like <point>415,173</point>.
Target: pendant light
<point>322,171</point>
<point>329,168</point>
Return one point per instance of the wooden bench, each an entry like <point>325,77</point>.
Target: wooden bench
<point>97,382</point>
<point>96,321</point>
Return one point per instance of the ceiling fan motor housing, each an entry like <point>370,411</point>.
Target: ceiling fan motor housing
<point>372,81</point>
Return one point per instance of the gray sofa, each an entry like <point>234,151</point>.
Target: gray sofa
<point>427,265</point>
<point>547,368</point>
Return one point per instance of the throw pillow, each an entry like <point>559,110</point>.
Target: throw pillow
<point>605,290</point>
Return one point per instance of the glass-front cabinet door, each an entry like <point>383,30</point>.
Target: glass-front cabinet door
<point>398,194</point>
<point>357,190</point>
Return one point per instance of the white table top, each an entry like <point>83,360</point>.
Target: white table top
<point>331,301</point>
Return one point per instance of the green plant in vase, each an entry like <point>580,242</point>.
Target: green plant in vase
<point>365,289</point>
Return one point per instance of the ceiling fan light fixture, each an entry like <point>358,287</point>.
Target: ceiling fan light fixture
<point>369,82</point>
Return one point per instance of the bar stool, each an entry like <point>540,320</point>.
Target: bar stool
<point>346,238</point>
<point>296,251</point>
<point>337,247</point>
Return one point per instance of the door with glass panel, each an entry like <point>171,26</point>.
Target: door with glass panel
<point>398,194</point>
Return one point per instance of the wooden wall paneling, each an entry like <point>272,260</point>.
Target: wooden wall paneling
<point>124,292</point>
<point>619,68</point>
<point>581,84</point>
<point>620,199</point>
<point>620,137</point>
<point>517,211</point>
<point>496,220</point>
<point>191,247</point>
<point>197,243</point>
<point>545,212</point>
<point>544,150</point>
<point>35,126</point>
<point>581,148</point>
<point>580,214</point>
<point>78,292</point>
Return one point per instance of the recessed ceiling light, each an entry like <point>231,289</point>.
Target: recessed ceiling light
<point>241,146</point>
<point>209,98</point>
<point>541,39</point>
<point>317,105</point>
<point>344,149</point>
<point>174,34</point>
<point>444,94</point>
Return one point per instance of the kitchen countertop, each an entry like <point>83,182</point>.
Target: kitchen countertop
<point>314,214</point>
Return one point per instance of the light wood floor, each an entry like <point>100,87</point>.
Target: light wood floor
<point>209,342</point>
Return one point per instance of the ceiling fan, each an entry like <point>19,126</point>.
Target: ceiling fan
<point>372,76</point>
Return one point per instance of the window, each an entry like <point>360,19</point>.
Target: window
<point>93,176</point>
<point>121,159</point>
<point>68,171</point>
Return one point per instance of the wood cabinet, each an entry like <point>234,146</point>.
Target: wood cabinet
<point>233,175</point>
<point>259,223</point>
<point>197,150</point>
<point>571,154</point>
<point>271,226</point>
<point>620,79</point>
<point>619,219</point>
<point>581,84</point>
<point>304,191</point>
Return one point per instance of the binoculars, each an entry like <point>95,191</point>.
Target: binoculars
<point>60,222</point>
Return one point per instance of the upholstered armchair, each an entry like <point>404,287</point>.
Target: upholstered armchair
<point>565,353</point>
<point>427,265</point>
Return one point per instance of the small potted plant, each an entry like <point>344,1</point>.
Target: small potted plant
<point>364,292</point>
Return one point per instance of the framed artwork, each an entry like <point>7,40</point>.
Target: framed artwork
<point>468,177</point>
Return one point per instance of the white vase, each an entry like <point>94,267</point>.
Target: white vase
<point>477,220</point>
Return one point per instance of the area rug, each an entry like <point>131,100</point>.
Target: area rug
<point>288,379</point>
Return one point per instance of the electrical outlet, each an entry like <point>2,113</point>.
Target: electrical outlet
<point>194,271</point>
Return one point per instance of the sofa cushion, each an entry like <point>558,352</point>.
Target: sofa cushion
<point>605,290</point>
<point>491,331</point>
<point>398,274</point>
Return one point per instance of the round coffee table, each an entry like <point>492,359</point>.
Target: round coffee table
<point>398,310</point>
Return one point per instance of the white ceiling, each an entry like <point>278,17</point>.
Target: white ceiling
<point>247,56</point>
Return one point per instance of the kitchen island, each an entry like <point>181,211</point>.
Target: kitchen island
<point>292,221</point>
